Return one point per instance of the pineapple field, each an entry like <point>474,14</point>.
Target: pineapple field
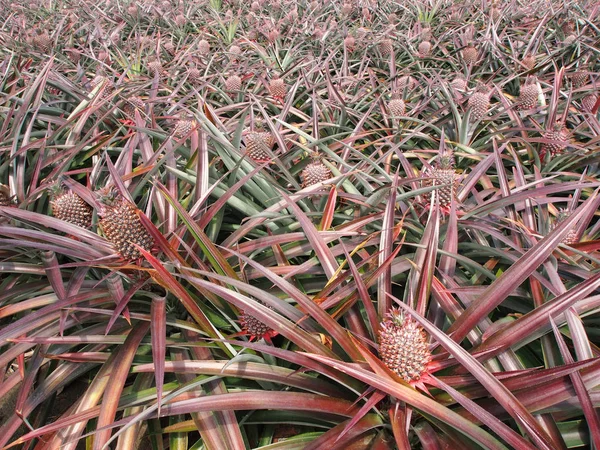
<point>285,225</point>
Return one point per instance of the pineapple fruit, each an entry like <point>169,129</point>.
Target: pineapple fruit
<point>5,199</point>
<point>528,97</point>
<point>69,207</point>
<point>315,172</point>
<point>258,144</point>
<point>443,174</point>
<point>403,346</point>
<point>254,327</point>
<point>559,135</point>
<point>479,103</point>
<point>121,225</point>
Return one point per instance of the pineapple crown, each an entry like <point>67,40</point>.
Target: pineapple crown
<point>446,161</point>
<point>108,195</point>
<point>395,317</point>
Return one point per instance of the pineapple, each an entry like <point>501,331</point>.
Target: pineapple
<point>528,61</point>
<point>169,47</point>
<point>132,104</point>
<point>183,127</point>
<point>588,102</point>
<point>194,74</point>
<point>233,83</point>
<point>443,174</point>
<point>403,346</point>
<point>121,225</point>
<point>386,47</point>
<point>459,82</point>
<point>469,54</point>
<point>396,105</point>
<point>347,9</point>
<point>69,207</point>
<point>203,47</point>
<point>350,43</point>
<point>5,199</point>
<point>528,98</point>
<point>479,103</point>
<point>258,144</point>
<point>559,135</point>
<point>105,84</point>
<point>42,41</point>
<point>277,87</point>
<point>315,172</point>
<point>254,327</point>
<point>407,81</point>
<point>579,78</point>
<point>424,49</point>
<point>235,52</point>
<point>571,237</point>
<point>180,20</point>
<point>155,67</point>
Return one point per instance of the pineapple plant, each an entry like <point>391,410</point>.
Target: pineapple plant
<point>443,174</point>
<point>121,225</point>
<point>315,172</point>
<point>69,207</point>
<point>403,347</point>
<point>479,102</point>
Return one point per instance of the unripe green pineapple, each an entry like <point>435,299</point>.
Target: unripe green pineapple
<point>403,346</point>
<point>315,172</point>
<point>69,207</point>
<point>444,175</point>
<point>122,226</point>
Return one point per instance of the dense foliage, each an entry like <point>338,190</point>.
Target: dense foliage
<point>359,224</point>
